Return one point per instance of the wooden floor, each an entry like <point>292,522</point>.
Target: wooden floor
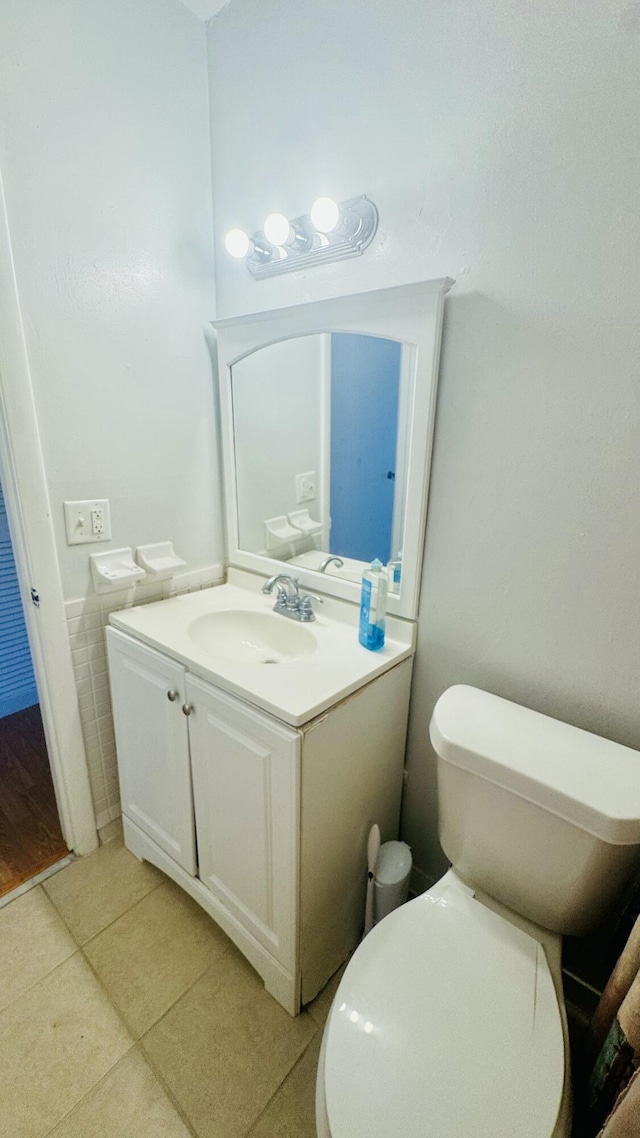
<point>30,837</point>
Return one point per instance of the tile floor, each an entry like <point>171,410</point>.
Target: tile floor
<point>126,1013</point>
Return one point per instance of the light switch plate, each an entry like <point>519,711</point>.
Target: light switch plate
<point>87,522</point>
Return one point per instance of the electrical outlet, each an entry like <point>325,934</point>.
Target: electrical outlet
<point>97,521</point>
<point>87,521</point>
<point>306,486</point>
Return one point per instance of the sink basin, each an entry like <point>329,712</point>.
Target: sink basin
<point>252,637</point>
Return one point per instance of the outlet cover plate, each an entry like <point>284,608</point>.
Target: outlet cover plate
<point>83,519</point>
<point>306,487</point>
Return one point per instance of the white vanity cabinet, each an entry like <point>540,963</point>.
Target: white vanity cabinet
<point>264,824</point>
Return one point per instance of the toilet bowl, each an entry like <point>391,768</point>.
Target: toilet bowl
<point>449,1019</point>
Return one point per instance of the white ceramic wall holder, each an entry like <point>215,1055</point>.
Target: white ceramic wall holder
<point>278,532</point>
<point>302,521</point>
<point>159,560</point>
<point>114,569</point>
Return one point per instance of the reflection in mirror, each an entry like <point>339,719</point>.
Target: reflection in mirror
<point>321,426</point>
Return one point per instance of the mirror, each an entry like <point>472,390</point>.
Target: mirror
<point>320,430</point>
<point>327,422</point>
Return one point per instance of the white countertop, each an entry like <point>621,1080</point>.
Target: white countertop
<point>296,691</point>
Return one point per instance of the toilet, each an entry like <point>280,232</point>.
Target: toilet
<point>449,1020</point>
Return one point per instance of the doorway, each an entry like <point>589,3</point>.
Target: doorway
<point>30,834</point>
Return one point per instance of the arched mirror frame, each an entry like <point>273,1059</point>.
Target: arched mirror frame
<point>409,313</point>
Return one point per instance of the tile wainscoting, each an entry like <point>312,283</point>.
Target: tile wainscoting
<point>87,618</point>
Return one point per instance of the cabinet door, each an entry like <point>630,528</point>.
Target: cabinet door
<point>246,791</point>
<point>152,742</point>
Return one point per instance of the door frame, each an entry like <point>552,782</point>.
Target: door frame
<point>324,489</point>
<point>34,547</point>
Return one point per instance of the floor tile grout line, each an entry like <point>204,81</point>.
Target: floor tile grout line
<point>132,906</point>
<point>49,972</point>
<point>90,1091</point>
<point>81,944</point>
<point>191,985</point>
<point>134,1044</point>
<point>160,1076</point>
<point>80,947</point>
<point>284,1079</point>
<point>78,952</point>
<point>167,1090</point>
<point>108,995</point>
<point>138,1043</point>
<point>138,1039</point>
<point>320,1026</point>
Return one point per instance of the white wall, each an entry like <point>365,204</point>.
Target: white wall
<point>277,419</point>
<point>105,161</point>
<point>500,142</point>
<point>205,9</point>
<point>104,154</point>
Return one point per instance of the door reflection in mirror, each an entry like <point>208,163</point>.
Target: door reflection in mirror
<point>365,387</point>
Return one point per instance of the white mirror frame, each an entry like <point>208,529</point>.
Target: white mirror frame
<point>410,313</point>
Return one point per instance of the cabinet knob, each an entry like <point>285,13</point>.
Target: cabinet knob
<point>187,708</point>
<point>173,696</point>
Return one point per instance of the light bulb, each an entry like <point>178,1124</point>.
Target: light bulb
<point>277,229</point>
<point>325,215</point>
<point>237,243</point>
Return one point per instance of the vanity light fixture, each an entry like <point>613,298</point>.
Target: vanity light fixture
<point>285,235</point>
<point>277,229</point>
<point>329,232</point>
<point>238,244</point>
<point>325,215</point>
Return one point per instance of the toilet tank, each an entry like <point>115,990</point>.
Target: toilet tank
<point>542,816</point>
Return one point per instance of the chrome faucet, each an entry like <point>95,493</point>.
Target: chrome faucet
<point>280,580</point>
<point>289,600</point>
<point>322,568</point>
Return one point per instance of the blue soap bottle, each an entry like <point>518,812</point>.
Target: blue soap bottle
<point>373,606</point>
<point>394,572</point>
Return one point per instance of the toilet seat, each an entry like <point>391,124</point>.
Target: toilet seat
<point>445,1023</point>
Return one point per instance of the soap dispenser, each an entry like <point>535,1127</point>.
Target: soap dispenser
<point>394,572</point>
<point>373,606</point>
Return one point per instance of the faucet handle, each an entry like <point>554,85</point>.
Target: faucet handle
<point>306,606</point>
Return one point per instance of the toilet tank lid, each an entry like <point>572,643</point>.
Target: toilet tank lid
<point>590,781</point>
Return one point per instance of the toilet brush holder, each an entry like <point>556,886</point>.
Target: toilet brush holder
<point>391,879</point>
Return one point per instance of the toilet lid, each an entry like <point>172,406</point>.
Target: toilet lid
<point>445,1023</point>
